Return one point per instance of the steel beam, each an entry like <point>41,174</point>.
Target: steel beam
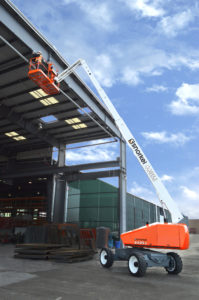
<point>93,175</point>
<point>17,118</point>
<point>68,170</point>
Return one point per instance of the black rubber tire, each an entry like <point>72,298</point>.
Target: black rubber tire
<point>106,259</point>
<point>140,265</point>
<point>175,264</point>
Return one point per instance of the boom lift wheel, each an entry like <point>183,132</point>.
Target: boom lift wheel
<point>106,258</point>
<point>175,265</point>
<point>137,265</point>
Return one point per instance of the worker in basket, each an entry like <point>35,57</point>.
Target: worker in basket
<point>39,62</point>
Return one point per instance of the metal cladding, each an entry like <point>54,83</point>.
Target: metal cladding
<point>94,203</point>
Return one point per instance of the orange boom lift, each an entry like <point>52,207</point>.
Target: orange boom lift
<point>43,74</point>
<point>136,242</point>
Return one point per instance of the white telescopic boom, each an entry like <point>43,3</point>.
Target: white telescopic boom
<point>163,195</point>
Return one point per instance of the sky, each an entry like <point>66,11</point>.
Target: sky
<point>145,54</point>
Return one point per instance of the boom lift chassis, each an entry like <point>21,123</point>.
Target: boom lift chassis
<point>139,259</point>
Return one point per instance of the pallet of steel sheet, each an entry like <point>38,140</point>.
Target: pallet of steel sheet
<point>31,256</point>
<point>41,246</point>
<point>72,259</point>
<point>31,251</point>
<point>69,253</point>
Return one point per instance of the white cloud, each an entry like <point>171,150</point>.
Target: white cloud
<point>162,137</point>
<point>126,60</point>
<point>147,8</point>
<point>184,191</point>
<point>143,192</point>
<point>104,70</point>
<point>188,91</point>
<point>171,25</point>
<point>130,76</point>
<point>92,153</point>
<point>190,194</point>
<point>167,178</point>
<point>188,100</point>
<point>98,13</point>
<point>157,88</point>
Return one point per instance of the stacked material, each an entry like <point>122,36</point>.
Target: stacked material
<point>58,252</point>
<point>67,234</point>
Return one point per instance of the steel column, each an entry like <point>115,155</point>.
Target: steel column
<point>122,187</point>
<point>61,156</point>
<point>59,199</point>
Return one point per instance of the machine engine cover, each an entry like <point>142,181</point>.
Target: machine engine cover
<point>158,235</point>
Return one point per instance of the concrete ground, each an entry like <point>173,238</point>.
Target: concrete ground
<point>22,279</point>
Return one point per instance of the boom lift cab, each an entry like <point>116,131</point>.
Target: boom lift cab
<point>43,74</point>
<point>157,235</point>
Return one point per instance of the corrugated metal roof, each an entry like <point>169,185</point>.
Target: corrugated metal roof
<point>21,112</point>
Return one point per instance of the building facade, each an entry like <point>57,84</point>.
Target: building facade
<point>94,203</point>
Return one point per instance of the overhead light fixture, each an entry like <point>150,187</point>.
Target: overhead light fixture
<point>11,133</point>
<point>49,101</point>
<point>38,93</point>
<point>15,136</point>
<point>19,138</point>
<point>73,121</point>
<point>79,126</point>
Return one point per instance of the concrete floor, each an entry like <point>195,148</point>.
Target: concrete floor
<point>30,279</point>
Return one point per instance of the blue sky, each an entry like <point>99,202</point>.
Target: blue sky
<point>145,53</point>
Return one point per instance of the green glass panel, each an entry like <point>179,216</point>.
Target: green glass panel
<point>108,214</point>
<point>108,199</point>
<point>138,203</point>
<point>73,215</point>
<point>89,186</point>
<point>74,187</point>
<point>89,202</point>
<point>73,201</point>
<point>88,214</point>
<point>108,188</point>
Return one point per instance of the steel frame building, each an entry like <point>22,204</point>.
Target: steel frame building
<point>26,140</point>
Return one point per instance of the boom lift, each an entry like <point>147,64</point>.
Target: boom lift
<point>43,74</point>
<point>157,235</point>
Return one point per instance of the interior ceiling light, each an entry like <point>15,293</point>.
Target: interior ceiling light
<point>15,136</point>
<point>11,133</point>
<point>73,121</point>
<point>48,119</point>
<point>49,101</point>
<point>40,93</point>
<point>79,126</point>
<point>19,138</point>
